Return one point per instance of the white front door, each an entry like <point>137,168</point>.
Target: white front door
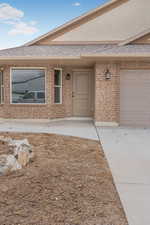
<point>82,93</point>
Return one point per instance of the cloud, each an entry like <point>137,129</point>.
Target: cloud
<point>14,17</point>
<point>7,12</point>
<point>76,4</point>
<point>33,23</point>
<point>23,28</point>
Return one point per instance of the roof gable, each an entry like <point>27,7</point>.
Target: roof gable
<point>77,22</point>
<point>115,22</point>
<point>140,38</point>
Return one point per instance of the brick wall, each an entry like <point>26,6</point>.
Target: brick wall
<point>33,111</point>
<point>106,93</point>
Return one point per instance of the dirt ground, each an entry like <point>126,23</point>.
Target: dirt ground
<point>69,183</point>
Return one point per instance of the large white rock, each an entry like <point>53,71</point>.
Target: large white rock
<point>22,154</point>
<point>8,163</point>
<point>22,151</point>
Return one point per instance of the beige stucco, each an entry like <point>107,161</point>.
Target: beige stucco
<point>111,25</point>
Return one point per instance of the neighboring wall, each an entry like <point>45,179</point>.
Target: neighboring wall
<point>31,111</point>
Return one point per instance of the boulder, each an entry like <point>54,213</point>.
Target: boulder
<point>8,163</point>
<point>21,155</point>
<point>22,151</point>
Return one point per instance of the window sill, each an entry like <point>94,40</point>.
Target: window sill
<point>28,104</point>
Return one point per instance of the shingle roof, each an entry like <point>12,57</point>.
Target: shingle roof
<point>52,50</point>
<point>127,49</point>
<point>62,51</point>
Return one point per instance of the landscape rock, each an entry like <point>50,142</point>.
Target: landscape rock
<point>8,163</point>
<point>22,151</point>
<point>21,154</point>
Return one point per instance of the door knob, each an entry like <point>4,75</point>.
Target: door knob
<point>73,94</point>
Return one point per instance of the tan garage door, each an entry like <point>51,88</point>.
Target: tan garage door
<point>135,98</point>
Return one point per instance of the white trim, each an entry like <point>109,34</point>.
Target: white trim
<point>39,57</point>
<point>27,68</point>
<point>59,86</point>
<point>106,124</point>
<point>2,94</point>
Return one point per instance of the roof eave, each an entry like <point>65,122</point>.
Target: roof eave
<point>38,58</point>
<point>83,56</point>
<point>131,56</point>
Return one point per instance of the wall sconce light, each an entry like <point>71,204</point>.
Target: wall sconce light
<point>68,76</point>
<point>1,69</point>
<point>107,74</point>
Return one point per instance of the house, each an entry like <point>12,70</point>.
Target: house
<point>95,66</point>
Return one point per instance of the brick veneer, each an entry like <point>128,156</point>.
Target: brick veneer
<point>106,93</point>
<point>31,111</point>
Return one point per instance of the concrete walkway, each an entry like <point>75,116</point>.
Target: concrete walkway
<point>128,154</point>
<point>83,129</point>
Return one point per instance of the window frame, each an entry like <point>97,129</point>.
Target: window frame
<point>2,87</point>
<point>59,86</point>
<point>27,68</point>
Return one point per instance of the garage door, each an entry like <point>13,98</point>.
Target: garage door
<point>135,98</point>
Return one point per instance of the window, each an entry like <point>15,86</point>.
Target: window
<point>1,88</point>
<point>28,86</point>
<point>58,86</point>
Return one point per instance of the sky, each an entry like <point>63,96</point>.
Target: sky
<point>23,20</point>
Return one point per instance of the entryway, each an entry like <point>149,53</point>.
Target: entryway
<point>82,95</point>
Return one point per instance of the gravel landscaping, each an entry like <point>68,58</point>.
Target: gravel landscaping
<point>68,183</point>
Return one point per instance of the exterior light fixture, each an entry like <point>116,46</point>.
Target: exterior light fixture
<point>107,74</point>
<point>68,76</point>
<point>1,69</point>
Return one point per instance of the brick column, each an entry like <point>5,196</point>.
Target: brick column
<point>107,95</point>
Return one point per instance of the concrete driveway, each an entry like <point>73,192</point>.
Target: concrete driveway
<point>128,153</point>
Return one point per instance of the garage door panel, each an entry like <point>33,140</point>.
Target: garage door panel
<point>135,98</point>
